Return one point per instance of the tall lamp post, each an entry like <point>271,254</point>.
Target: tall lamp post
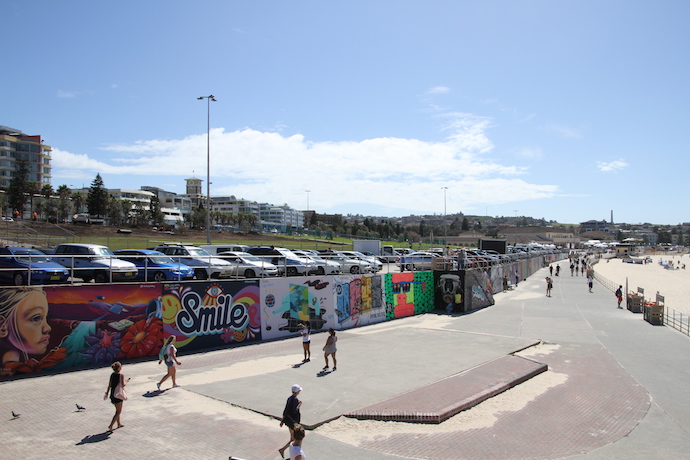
<point>308,192</point>
<point>445,232</point>
<point>208,165</point>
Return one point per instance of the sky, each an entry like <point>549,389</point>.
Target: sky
<point>567,111</point>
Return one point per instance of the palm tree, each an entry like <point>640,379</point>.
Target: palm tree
<point>79,200</point>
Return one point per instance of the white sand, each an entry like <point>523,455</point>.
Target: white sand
<point>674,285</point>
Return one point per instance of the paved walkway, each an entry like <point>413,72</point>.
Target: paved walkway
<point>616,387</point>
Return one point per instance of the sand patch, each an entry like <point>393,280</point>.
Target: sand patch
<point>484,415</point>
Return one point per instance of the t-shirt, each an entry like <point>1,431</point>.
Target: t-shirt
<point>291,414</point>
<point>295,451</point>
<point>619,293</point>
<point>306,335</point>
<point>170,350</point>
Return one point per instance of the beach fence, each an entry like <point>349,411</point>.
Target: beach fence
<point>656,313</point>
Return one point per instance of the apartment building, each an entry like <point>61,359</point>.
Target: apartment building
<point>15,145</point>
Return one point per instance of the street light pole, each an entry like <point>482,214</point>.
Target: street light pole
<point>208,165</point>
<point>308,191</point>
<point>445,232</point>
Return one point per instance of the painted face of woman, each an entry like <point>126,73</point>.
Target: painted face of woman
<point>31,315</point>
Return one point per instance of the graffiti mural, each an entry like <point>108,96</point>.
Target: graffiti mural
<point>449,290</point>
<point>409,293</point>
<point>205,315</point>
<point>64,327</point>
<point>358,300</point>
<point>477,290</point>
<point>287,302</point>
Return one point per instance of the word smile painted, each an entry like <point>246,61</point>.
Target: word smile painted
<point>197,319</point>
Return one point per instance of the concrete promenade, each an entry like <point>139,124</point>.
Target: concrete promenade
<point>616,387</point>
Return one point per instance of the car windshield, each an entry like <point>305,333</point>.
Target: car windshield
<point>198,252</point>
<point>161,259</point>
<point>31,255</point>
<point>102,253</point>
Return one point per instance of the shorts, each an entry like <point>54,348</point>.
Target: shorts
<point>170,363</point>
<point>115,400</point>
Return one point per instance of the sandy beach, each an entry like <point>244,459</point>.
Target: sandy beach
<point>674,285</point>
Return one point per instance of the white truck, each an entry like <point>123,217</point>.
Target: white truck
<point>385,253</point>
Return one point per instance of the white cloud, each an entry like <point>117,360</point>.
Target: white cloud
<point>438,90</point>
<point>270,167</point>
<point>530,153</point>
<point>612,166</point>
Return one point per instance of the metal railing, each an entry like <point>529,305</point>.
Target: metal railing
<point>672,318</point>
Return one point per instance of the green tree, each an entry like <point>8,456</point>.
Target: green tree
<point>465,224</point>
<point>78,200</point>
<point>64,204</point>
<point>157,216</point>
<point>97,199</point>
<point>19,187</point>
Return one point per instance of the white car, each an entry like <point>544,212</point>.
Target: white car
<point>348,265</point>
<point>325,267</point>
<point>204,264</point>
<point>376,264</point>
<point>247,265</point>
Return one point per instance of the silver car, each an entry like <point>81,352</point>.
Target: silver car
<point>247,265</point>
<point>348,265</point>
<point>325,267</point>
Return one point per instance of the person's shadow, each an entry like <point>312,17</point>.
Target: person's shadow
<point>89,439</point>
<point>153,394</point>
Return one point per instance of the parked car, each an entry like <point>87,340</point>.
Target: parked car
<point>287,261</point>
<point>204,264</point>
<point>16,264</point>
<point>417,261</point>
<point>216,249</point>
<point>249,266</point>
<point>348,265</point>
<point>156,266</point>
<point>325,267</point>
<point>376,264</point>
<point>93,262</point>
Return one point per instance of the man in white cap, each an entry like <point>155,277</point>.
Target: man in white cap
<point>291,415</point>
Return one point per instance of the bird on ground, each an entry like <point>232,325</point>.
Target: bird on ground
<point>79,408</point>
<point>15,415</point>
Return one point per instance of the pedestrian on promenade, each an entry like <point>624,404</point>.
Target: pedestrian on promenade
<point>572,268</point>
<point>619,295</point>
<point>170,358</point>
<point>517,278</point>
<point>306,340</point>
<point>558,270</point>
<point>116,386</point>
<point>505,282</point>
<point>549,286</point>
<point>295,451</point>
<point>550,269</point>
<point>291,416</point>
<point>590,282</point>
<point>330,348</point>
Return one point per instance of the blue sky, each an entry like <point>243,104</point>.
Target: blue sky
<point>563,110</point>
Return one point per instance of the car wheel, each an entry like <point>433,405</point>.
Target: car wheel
<point>200,273</point>
<point>409,267</point>
<point>354,270</point>
<point>321,271</point>
<point>18,279</point>
<point>101,277</point>
<point>158,277</point>
<point>292,271</point>
<point>249,273</point>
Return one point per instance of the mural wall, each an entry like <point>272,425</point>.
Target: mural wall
<point>62,327</point>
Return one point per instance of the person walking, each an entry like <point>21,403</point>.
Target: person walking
<point>330,348</point>
<point>291,416</point>
<point>295,451</point>
<point>590,282</point>
<point>619,295</point>
<point>116,382</point>
<point>170,358</point>
<point>558,270</point>
<point>550,269</point>
<point>306,340</point>
<point>549,286</point>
